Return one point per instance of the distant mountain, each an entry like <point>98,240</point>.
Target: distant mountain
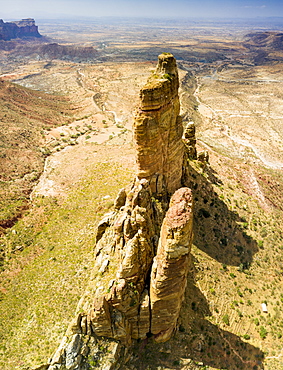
<point>267,47</point>
<point>56,51</point>
<point>18,29</point>
<point>270,40</point>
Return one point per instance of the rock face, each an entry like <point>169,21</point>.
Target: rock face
<point>158,129</point>
<point>143,246</point>
<point>171,264</point>
<point>127,237</point>
<point>189,139</point>
<point>18,29</point>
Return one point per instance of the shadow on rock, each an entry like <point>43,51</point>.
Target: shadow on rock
<point>217,229</point>
<point>198,342</point>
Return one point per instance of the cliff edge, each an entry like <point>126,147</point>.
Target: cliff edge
<point>18,29</point>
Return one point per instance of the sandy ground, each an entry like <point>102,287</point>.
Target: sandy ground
<point>65,168</point>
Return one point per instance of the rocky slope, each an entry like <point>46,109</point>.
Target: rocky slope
<point>50,51</point>
<point>143,246</point>
<point>271,40</point>
<point>24,116</point>
<point>266,46</point>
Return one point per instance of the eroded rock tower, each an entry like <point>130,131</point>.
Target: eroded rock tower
<point>158,129</point>
<point>143,245</point>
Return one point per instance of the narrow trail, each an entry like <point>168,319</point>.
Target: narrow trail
<point>203,108</point>
<point>81,80</point>
<point>275,357</point>
<point>254,185</point>
<point>247,144</point>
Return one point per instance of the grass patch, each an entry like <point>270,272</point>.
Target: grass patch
<point>43,284</point>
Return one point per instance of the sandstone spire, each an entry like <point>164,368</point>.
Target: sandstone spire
<point>125,300</point>
<point>158,129</point>
<point>171,264</point>
<point>189,139</point>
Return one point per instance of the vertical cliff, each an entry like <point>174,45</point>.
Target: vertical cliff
<point>142,246</point>
<point>170,266</point>
<point>158,129</point>
<point>18,29</point>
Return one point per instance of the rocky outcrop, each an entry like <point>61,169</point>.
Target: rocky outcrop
<point>158,129</point>
<point>127,242</point>
<point>171,264</point>
<point>18,29</point>
<point>189,139</point>
<point>143,245</point>
<point>86,352</point>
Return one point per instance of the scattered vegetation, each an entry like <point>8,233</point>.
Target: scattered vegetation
<point>45,277</point>
<point>24,115</point>
<point>237,252</point>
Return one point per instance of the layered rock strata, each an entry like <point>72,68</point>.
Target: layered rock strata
<point>171,264</point>
<point>142,246</point>
<point>18,29</point>
<point>119,307</point>
<point>158,129</point>
<point>189,139</point>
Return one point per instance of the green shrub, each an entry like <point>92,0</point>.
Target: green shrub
<point>225,319</point>
<point>167,76</point>
<point>262,332</point>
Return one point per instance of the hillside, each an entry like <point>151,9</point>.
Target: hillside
<point>25,116</point>
<point>50,51</point>
<point>271,40</point>
<point>267,46</point>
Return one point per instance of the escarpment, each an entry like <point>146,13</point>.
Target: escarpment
<point>18,29</point>
<point>142,246</point>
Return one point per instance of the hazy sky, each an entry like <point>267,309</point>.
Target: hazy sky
<point>10,9</point>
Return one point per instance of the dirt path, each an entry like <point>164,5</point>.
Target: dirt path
<point>66,167</point>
